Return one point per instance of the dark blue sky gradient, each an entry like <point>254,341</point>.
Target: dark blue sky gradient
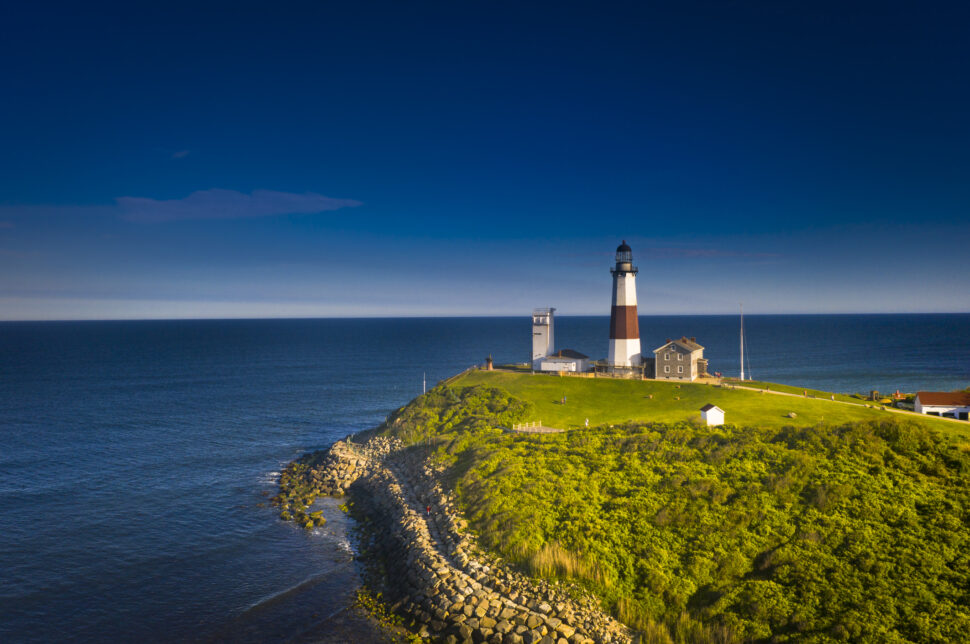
<point>797,156</point>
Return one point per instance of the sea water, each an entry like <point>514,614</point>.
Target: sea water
<point>137,458</point>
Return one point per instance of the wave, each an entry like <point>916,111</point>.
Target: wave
<point>270,478</point>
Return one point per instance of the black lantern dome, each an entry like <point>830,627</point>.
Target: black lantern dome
<point>624,254</point>
<point>624,259</point>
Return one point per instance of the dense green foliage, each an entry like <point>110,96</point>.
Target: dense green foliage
<point>822,533</point>
<point>457,409</point>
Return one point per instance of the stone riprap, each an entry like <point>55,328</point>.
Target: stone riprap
<point>346,461</point>
<point>449,588</point>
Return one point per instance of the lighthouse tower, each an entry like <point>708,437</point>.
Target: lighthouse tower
<point>624,326</point>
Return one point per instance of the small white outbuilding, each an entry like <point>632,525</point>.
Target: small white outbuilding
<point>565,360</point>
<point>712,415</point>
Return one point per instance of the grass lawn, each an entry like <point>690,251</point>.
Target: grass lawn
<point>606,401</point>
<point>798,391</point>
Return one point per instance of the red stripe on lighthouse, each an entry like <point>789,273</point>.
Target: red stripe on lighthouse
<point>624,324</point>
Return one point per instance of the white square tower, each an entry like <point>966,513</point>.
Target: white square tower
<point>543,334</point>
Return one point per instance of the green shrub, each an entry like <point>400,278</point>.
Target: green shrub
<point>852,531</point>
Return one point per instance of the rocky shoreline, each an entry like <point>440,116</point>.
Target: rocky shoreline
<point>440,581</point>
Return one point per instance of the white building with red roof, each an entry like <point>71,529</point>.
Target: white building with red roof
<point>950,404</point>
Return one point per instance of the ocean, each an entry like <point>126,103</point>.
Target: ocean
<point>137,457</point>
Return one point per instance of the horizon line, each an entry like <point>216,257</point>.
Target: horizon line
<point>453,317</point>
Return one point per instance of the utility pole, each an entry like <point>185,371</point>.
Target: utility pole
<point>742,341</point>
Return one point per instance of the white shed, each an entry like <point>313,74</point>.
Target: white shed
<point>565,360</point>
<point>712,415</point>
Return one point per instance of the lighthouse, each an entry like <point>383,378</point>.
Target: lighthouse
<point>624,326</point>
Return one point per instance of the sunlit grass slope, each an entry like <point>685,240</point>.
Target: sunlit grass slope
<point>773,386</point>
<point>770,530</point>
<point>606,401</point>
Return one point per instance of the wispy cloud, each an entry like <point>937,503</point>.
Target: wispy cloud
<point>706,252</point>
<point>228,204</point>
<point>181,154</point>
<point>644,254</point>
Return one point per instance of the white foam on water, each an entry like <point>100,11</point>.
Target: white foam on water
<point>270,478</point>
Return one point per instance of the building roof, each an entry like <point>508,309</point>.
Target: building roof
<point>623,248</point>
<point>944,398</point>
<point>709,407</point>
<point>689,344</point>
<point>568,353</point>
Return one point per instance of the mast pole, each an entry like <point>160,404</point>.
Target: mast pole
<point>742,341</point>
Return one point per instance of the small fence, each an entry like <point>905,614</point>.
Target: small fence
<point>535,427</point>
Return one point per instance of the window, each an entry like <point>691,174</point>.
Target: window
<point>680,369</point>
<point>666,356</point>
<point>667,369</point>
<point>680,356</point>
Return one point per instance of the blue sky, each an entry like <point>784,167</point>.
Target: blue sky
<point>442,158</point>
